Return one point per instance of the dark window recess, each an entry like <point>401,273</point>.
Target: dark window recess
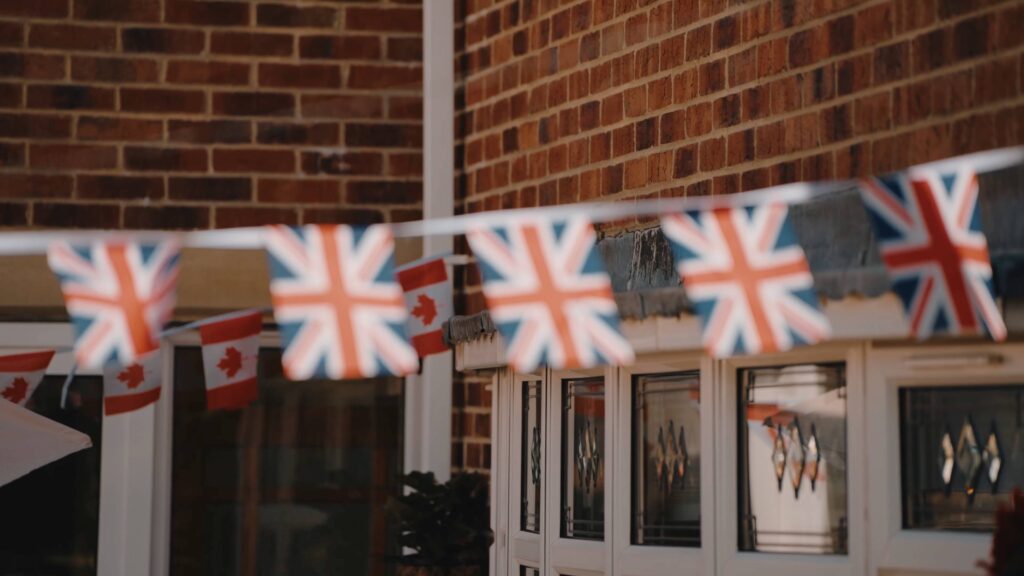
<point>962,454</point>
<point>666,459</point>
<point>583,457</point>
<point>49,518</point>
<point>295,483</point>
<point>792,468</point>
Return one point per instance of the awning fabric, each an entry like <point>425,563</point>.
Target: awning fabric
<point>29,441</point>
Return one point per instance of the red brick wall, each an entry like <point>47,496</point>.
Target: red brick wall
<point>578,100</point>
<point>200,114</point>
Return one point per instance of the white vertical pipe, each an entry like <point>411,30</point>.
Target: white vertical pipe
<point>428,398</point>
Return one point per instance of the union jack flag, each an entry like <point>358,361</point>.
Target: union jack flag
<point>929,234</point>
<point>119,296</point>
<point>748,278</point>
<point>549,294</point>
<point>341,313</point>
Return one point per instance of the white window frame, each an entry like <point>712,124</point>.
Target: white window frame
<point>735,563</point>
<point>524,548</point>
<point>570,555</point>
<point>638,560</point>
<point>892,546</point>
<point>126,527</point>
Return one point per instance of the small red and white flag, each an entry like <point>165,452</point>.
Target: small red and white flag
<point>20,374</point>
<point>428,297</point>
<point>230,353</point>
<point>132,386</point>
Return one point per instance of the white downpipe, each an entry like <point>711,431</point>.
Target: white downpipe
<point>428,397</point>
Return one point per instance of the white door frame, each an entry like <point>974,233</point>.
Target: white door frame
<point>524,548</point>
<point>634,560</point>
<point>569,555</point>
<point>126,458</point>
<point>735,563</point>
<point>892,547</point>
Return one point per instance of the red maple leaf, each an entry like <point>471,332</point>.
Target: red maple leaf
<point>17,390</point>
<point>132,376</point>
<point>231,363</point>
<point>426,309</point>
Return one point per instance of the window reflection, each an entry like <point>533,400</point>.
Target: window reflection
<point>295,483</point>
<point>49,518</point>
<point>530,458</point>
<point>666,459</point>
<point>792,460</point>
<point>583,458</point>
<point>961,454</point>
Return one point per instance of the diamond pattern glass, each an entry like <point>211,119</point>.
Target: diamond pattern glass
<point>792,459</point>
<point>946,459</point>
<point>779,455</point>
<point>993,458</point>
<point>583,422</point>
<point>796,455</point>
<point>813,457</point>
<point>968,457</point>
<point>666,459</point>
<point>969,429</point>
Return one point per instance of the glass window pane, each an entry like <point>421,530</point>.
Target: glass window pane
<point>962,454</point>
<point>528,571</point>
<point>666,459</point>
<point>295,483</point>
<point>530,459</point>
<point>792,459</point>
<point>583,458</point>
<point>49,518</point>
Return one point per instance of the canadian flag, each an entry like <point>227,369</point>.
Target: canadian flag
<point>132,386</point>
<point>428,296</point>
<point>20,374</point>
<point>230,350</point>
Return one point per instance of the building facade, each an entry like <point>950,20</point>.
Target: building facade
<point>829,458</point>
<point>198,114</point>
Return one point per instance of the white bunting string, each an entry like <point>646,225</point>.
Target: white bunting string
<point>251,238</point>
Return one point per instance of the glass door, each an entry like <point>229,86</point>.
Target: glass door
<point>50,521</point>
<point>946,434</point>
<point>664,488</point>
<point>528,472</point>
<point>89,512</point>
<point>295,483</point>
<point>578,512</point>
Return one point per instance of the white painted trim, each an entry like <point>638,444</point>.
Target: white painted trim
<point>568,555</point>
<point>126,465</point>
<point>633,560</point>
<point>889,369</point>
<point>525,548</point>
<point>729,559</point>
<point>500,409</point>
<point>428,396</point>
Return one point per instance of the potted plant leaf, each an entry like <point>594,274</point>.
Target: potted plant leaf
<point>445,525</point>
<point>1007,555</point>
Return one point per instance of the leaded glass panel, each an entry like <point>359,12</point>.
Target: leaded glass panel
<point>530,458</point>
<point>666,459</point>
<point>792,459</point>
<point>583,451</point>
<point>962,454</point>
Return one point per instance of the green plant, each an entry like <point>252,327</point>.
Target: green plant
<point>446,525</point>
